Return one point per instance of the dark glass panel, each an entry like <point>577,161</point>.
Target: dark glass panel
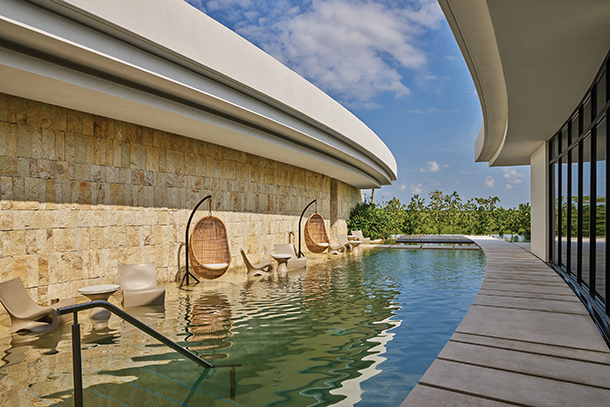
<point>601,93</point>
<point>575,128</point>
<point>600,214</point>
<point>553,148</point>
<point>587,113</point>
<point>573,212</point>
<point>564,210</point>
<point>565,142</point>
<point>586,207</point>
<point>554,215</point>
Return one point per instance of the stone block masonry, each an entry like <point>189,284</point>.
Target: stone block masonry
<point>80,194</point>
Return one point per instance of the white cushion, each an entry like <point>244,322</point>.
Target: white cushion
<point>216,265</point>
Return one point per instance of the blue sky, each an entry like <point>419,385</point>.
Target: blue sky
<point>395,65</point>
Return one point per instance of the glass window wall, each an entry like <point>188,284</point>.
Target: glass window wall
<point>600,212</point>
<point>585,199</point>
<point>573,213</point>
<point>578,181</point>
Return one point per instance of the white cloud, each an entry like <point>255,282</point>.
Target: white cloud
<point>509,186</point>
<point>430,110</point>
<point>402,187</point>
<point>416,189</point>
<point>432,167</point>
<point>490,181</point>
<point>352,49</point>
<point>445,166</point>
<point>513,176</point>
<point>464,172</point>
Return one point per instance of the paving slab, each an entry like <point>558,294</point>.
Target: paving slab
<point>527,340</point>
<point>510,387</point>
<point>601,357</point>
<point>492,276</point>
<point>426,396</point>
<point>535,288</point>
<point>550,367</point>
<point>504,293</point>
<point>533,326</point>
<point>534,304</point>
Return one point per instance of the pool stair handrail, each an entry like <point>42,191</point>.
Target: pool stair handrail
<point>77,372</point>
<point>300,253</point>
<point>186,239</point>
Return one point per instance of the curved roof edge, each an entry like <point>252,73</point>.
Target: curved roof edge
<point>474,33</point>
<point>139,61</point>
<point>532,63</point>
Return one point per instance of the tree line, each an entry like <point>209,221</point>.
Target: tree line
<point>441,214</point>
<point>570,216</point>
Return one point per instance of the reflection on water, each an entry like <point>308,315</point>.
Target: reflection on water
<point>210,325</point>
<point>358,330</point>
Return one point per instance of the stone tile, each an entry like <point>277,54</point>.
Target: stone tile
<point>424,396</point>
<point>533,326</point>
<point>515,388</point>
<point>595,356</point>
<point>521,294</point>
<point>536,304</point>
<point>534,288</point>
<point>550,367</point>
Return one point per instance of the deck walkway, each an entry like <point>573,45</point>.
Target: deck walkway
<point>526,341</point>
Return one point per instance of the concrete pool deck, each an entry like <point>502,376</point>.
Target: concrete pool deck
<point>527,340</point>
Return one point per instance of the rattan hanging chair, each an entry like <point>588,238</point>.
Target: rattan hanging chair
<point>316,238</point>
<point>209,248</point>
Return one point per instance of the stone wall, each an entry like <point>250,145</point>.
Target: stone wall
<point>81,194</point>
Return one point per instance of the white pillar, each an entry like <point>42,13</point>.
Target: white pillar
<point>539,195</point>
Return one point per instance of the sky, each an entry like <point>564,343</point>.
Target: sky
<point>396,66</point>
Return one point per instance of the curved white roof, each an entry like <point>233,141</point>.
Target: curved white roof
<point>165,65</point>
<point>532,63</point>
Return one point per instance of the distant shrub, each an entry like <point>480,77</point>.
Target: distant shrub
<point>372,219</point>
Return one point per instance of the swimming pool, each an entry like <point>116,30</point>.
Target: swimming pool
<point>354,330</point>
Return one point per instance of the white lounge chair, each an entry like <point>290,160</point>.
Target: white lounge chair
<point>360,237</point>
<point>26,315</point>
<point>294,261</point>
<point>139,285</point>
<point>263,268</point>
<point>349,244</point>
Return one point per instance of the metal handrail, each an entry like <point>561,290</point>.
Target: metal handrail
<point>77,371</point>
<point>186,240</point>
<point>300,253</point>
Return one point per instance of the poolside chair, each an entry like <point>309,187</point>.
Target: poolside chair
<point>209,248</point>
<point>139,285</point>
<point>349,245</point>
<point>338,248</point>
<point>316,238</point>
<point>259,269</point>
<point>294,262</point>
<point>360,237</point>
<point>26,315</point>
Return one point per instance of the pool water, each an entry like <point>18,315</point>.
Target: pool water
<point>355,330</point>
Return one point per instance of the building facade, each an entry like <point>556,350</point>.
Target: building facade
<point>116,118</point>
<point>540,70</point>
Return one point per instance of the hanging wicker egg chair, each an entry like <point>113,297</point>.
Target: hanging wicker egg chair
<point>316,238</point>
<point>209,248</point>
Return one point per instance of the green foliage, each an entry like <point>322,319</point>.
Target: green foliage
<point>444,214</point>
<point>372,219</point>
<point>571,219</point>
